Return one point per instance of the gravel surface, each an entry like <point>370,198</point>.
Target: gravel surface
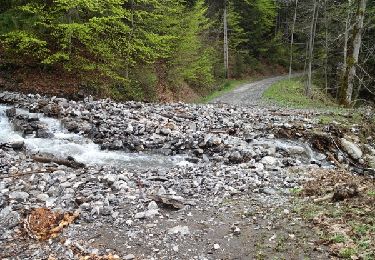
<point>248,94</point>
<point>229,198</point>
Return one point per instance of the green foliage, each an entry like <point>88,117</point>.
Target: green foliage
<point>23,45</point>
<point>112,38</point>
<point>192,60</point>
<point>253,24</point>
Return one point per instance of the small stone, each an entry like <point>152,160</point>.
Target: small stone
<point>216,246</point>
<point>182,230</point>
<point>8,219</point>
<point>272,238</point>
<point>129,257</point>
<point>166,131</point>
<point>269,160</point>
<point>269,191</point>
<point>42,197</point>
<point>19,195</point>
<point>50,202</point>
<point>237,231</point>
<point>153,206</point>
<point>151,213</point>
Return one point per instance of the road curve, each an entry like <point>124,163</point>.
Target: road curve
<point>249,94</point>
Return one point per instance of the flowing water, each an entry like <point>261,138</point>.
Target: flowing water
<point>82,149</point>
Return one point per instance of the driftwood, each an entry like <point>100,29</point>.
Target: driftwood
<point>70,162</point>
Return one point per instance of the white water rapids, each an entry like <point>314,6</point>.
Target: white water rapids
<point>82,149</point>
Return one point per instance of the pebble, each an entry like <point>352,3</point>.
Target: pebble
<point>129,257</point>
<point>19,195</point>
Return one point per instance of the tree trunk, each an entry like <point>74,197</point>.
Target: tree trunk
<point>345,52</point>
<point>314,19</point>
<point>346,90</point>
<point>226,48</point>
<point>292,40</point>
<point>326,47</point>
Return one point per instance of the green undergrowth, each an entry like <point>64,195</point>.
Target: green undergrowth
<point>225,87</point>
<point>290,93</point>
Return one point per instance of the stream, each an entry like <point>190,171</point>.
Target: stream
<point>64,144</point>
<point>83,150</point>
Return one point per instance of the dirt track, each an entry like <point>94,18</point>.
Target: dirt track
<point>249,94</point>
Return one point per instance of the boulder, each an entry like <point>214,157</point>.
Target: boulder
<point>42,133</point>
<point>269,160</point>
<point>11,112</point>
<point>352,149</point>
<point>17,145</point>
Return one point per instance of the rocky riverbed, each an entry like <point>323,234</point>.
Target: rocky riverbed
<point>225,195</point>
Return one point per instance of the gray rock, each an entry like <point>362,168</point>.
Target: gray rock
<point>153,206</point>
<point>236,157</point>
<point>19,195</point>
<point>269,191</point>
<point>8,219</point>
<point>140,215</point>
<point>370,161</point>
<point>116,145</point>
<point>215,140</point>
<point>182,230</point>
<point>352,149</point>
<point>165,131</point>
<point>17,145</point>
<point>42,133</point>
<point>42,197</point>
<point>269,160</point>
<point>11,112</point>
<point>291,150</point>
<point>129,257</point>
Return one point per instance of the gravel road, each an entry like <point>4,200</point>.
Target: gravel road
<point>248,94</point>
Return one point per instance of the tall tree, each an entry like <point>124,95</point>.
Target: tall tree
<point>315,14</point>
<point>346,90</point>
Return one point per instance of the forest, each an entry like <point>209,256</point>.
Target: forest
<point>160,50</point>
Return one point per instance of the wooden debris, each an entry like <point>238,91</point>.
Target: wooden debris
<point>43,224</point>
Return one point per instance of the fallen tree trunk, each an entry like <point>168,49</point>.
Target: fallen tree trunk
<point>67,162</point>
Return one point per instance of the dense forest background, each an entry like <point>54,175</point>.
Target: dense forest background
<point>168,49</point>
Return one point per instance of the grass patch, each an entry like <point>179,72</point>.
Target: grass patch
<point>290,93</point>
<point>225,87</point>
<point>347,252</point>
<point>338,238</point>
